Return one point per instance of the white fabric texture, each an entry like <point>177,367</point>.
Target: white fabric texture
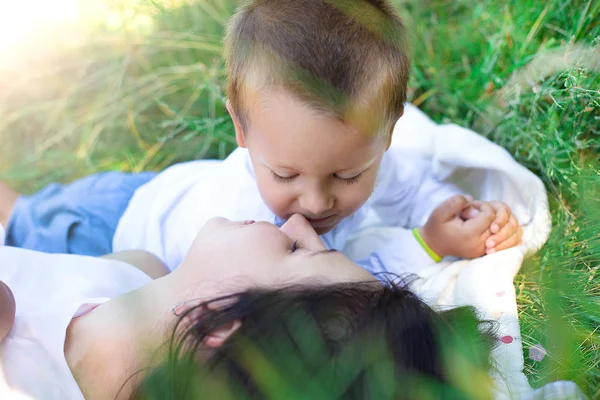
<point>49,290</point>
<point>488,172</point>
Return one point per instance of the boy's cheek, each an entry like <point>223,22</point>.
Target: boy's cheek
<point>352,201</point>
<point>274,196</point>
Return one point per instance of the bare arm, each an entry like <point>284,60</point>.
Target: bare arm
<point>7,310</point>
<point>8,197</point>
<point>142,260</point>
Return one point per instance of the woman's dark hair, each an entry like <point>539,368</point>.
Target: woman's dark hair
<point>350,341</point>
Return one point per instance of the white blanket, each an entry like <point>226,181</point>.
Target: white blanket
<point>487,172</point>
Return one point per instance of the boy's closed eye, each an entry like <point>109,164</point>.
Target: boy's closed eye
<point>283,179</point>
<point>347,181</point>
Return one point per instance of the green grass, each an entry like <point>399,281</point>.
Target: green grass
<point>137,96</point>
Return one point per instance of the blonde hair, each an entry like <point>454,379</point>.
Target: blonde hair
<point>347,58</point>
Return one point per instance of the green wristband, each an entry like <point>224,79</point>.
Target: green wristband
<point>434,256</point>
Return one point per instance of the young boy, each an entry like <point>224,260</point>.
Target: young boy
<point>315,88</point>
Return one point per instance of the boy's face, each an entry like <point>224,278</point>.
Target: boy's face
<point>309,163</point>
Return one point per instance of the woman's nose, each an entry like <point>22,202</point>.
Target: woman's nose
<point>298,228</point>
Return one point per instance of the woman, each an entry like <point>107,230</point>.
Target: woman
<point>85,330</point>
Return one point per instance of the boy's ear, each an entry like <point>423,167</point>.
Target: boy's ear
<point>389,140</point>
<point>239,133</point>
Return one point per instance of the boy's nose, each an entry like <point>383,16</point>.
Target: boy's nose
<point>298,228</point>
<point>317,204</point>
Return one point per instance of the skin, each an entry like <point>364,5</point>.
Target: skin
<point>106,346</point>
<point>505,232</point>
<point>142,260</point>
<point>469,229</point>
<point>7,310</point>
<point>309,163</point>
<point>8,197</point>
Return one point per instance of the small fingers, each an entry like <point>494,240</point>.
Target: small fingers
<point>477,203</point>
<point>450,209</point>
<point>482,222</point>
<point>469,213</point>
<point>513,239</point>
<point>508,230</point>
<point>502,216</point>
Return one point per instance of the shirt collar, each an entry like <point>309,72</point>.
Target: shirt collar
<point>279,221</point>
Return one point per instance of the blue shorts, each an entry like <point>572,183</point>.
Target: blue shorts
<point>78,218</point>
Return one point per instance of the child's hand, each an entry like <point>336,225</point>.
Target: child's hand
<point>506,231</point>
<point>448,234</point>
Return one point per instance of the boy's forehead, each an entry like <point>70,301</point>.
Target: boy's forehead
<point>273,109</point>
<point>286,134</point>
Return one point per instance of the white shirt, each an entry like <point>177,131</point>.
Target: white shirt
<point>165,215</point>
<point>50,290</point>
